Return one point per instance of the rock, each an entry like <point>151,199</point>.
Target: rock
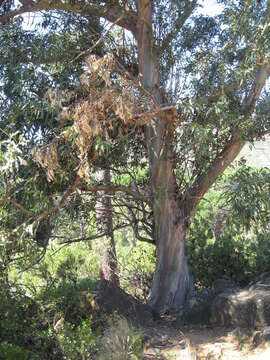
<point>244,308</point>
<point>221,285</point>
<point>215,354</point>
<point>266,333</point>
<point>261,282</point>
<point>110,299</point>
<point>261,336</point>
<point>198,309</point>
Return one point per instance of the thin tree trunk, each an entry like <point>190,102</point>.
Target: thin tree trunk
<point>108,259</point>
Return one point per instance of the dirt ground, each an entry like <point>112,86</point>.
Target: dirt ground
<point>166,342</point>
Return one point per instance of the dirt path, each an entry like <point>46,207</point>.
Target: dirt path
<point>165,342</point>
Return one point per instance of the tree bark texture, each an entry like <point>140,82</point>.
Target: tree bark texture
<point>107,252</point>
<point>171,283</point>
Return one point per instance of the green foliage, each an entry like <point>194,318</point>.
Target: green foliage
<point>23,328</point>
<point>11,352</point>
<point>27,331</point>
<point>230,234</point>
<point>121,341</point>
<point>137,265</point>
<point>66,288</point>
<point>78,342</point>
<point>248,191</point>
<point>58,288</point>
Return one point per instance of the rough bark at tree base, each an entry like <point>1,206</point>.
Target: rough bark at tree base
<point>172,284</point>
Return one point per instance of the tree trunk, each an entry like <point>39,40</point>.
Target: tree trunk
<point>108,259</point>
<point>172,283</point>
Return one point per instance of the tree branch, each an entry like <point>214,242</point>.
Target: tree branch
<point>176,27</point>
<point>91,237</point>
<point>101,38</point>
<point>233,147</point>
<point>135,227</point>
<point>21,208</point>
<point>261,76</point>
<point>61,203</point>
<point>205,181</point>
<point>113,189</point>
<point>110,12</point>
<point>27,2</point>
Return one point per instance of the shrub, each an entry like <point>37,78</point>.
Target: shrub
<point>10,352</point>
<point>55,289</point>
<point>24,328</point>
<point>230,234</point>
<point>78,342</point>
<point>121,341</point>
<point>137,265</point>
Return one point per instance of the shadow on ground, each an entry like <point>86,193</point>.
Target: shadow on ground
<point>165,342</point>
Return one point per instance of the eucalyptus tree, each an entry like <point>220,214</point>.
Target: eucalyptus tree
<point>190,92</point>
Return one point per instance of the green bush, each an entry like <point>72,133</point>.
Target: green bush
<point>230,234</point>
<point>11,352</point>
<point>137,265</point>
<point>24,328</point>
<point>78,342</point>
<point>238,257</point>
<point>56,288</point>
<point>121,341</point>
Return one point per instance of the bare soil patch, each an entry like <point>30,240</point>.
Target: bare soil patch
<point>165,342</point>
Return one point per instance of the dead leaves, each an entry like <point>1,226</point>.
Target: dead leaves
<point>47,158</point>
<point>111,97</point>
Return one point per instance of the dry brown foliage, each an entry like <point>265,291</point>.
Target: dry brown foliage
<point>47,158</point>
<point>111,96</point>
